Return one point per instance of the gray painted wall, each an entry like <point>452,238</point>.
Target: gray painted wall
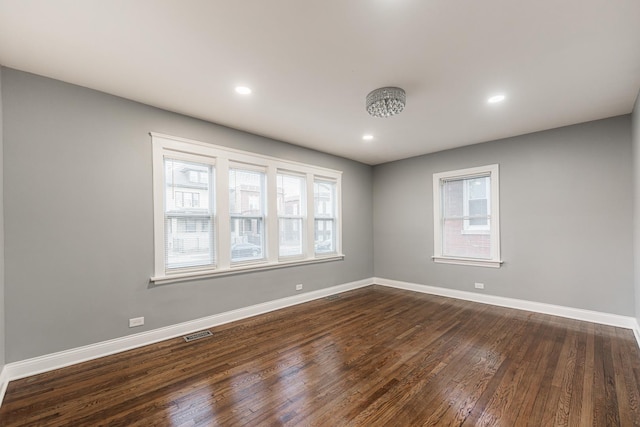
<point>635,132</point>
<point>78,236</point>
<point>566,217</point>
<point>78,213</point>
<point>2,347</point>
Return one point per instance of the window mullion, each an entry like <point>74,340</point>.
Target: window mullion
<point>337,215</point>
<point>310,223</point>
<point>223,218</point>
<point>271,220</point>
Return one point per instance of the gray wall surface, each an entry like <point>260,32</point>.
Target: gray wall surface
<point>79,237</point>
<point>635,132</point>
<point>565,212</point>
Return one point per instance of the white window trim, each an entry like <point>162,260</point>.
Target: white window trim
<point>222,157</point>
<point>438,178</point>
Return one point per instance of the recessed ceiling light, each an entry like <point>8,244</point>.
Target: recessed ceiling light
<point>496,98</point>
<point>367,137</point>
<point>243,90</point>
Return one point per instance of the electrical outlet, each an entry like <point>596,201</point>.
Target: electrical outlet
<point>136,321</point>
<point>299,287</point>
<point>479,285</point>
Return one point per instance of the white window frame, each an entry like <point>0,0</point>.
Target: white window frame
<point>494,216</point>
<point>176,147</point>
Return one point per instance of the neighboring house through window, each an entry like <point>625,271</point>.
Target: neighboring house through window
<point>218,210</point>
<point>466,217</point>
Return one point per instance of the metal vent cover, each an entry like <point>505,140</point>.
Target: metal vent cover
<point>197,335</point>
<point>332,297</point>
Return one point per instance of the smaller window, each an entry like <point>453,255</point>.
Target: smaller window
<point>466,223</point>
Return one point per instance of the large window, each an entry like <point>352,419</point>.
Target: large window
<point>219,210</point>
<point>466,223</point>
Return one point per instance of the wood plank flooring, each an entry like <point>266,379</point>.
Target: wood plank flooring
<point>374,356</point>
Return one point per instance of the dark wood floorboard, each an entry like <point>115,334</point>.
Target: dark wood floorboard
<point>374,356</point>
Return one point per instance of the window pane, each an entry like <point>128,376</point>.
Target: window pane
<point>466,218</point>
<point>478,212</point>
<point>188,243</point>
<point>478,187</point>
<point>246,205</point>
<point>324,199</point>
<point>325,221</point>
<point>290,191</point>
<point>290,230</point>
<point>458,244</point>
<point>245,192</point>
<point>290,212</point>
<point>247,243</point>
<point>325,236</point>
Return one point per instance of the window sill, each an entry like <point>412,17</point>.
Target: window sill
<point>468,261</point>
<point>239,269</point>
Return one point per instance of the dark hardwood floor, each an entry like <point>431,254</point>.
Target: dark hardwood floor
<point>374,356</point>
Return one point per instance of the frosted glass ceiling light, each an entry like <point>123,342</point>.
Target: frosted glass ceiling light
<point>386,101</point>
<point>243,90</point>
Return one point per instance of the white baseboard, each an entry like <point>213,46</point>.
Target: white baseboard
<point>626,322</point>
<point>4,382</point>
<point>636,331</point>
<point>16,370</point>
<point>25,368</point>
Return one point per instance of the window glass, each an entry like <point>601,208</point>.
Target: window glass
<point>246,207</point>
<point>462,213</point>
<point>324,193</point>
<point>291,204</point>
<point>186,245</point>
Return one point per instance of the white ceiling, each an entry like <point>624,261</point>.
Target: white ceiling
<point>311,64</point>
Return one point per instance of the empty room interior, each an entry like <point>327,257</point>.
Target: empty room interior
<point>373,212</point>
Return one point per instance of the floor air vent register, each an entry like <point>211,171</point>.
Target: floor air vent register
<point>197,336</point>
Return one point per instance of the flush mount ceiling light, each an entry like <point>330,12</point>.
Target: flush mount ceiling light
<point>243,90</point>
<point>496,98</point>
<point>386,101</point>
<point>367,137</point>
